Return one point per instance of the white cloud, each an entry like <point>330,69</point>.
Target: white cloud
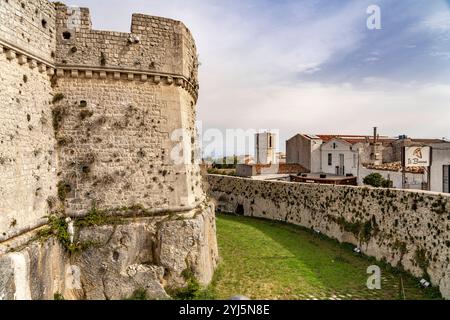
<point>445,55</point>
<point>253,53</point>
<point>312,70</point>
<point>416,110</point>
<point>372,59</point>
<point>438,22</point>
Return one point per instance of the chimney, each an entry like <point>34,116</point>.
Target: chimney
<point>375,134</point>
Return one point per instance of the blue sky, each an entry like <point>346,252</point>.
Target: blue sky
<point>312,65</point>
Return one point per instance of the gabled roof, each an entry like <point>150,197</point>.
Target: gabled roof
<point>354,139</point>
<point>337,139</point>
<point>427,141</point>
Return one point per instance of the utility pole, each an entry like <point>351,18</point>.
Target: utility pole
<point>403,167</point>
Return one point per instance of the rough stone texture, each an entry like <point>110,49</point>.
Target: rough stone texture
<point>143,253</point>
<point>30,26</point>
<point>405,228</point>
<point>36,272</point>
<point>93,120</point>
<point>197,239</point>
<point>116,135</point>
<point>163,45</point>
<point>115,126</point>
<point>123,261</point>
<point>27,145</point>
<point>149,253</point>
<point>119,155</point>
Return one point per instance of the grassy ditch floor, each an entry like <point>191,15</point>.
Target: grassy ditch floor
<point>269,260</point>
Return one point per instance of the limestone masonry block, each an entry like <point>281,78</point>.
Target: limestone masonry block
<point>33,64</point>
<point>10,55</point>
<point>42,67</point>
<point>21,59</point>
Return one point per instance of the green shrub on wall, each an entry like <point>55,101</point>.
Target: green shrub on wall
<point>376,180</point>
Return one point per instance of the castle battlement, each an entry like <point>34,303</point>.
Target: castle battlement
<point>89,121</point>
<point>157,48</point>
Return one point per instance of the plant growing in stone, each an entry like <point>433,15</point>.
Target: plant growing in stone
<point>139,294</point>
<point>63,190</point>
<point>58,114</point>
<point>57,98</point>
<point>84,114</point>
<point>58,296</point>
<point>58,227</point>
<point>421,259</point>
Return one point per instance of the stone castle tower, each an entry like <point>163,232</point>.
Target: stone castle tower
<point>97,130</point>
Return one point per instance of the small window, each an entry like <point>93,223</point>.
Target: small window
<point>270,142</point>
<point>334,145</point>
<point>67,35</point>
<point>330,159</point>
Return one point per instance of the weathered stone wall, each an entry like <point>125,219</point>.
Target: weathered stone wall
<point>27,146</point>
<point>35,271</point>
<point>160,45</point>
<point>94,119</point>
<point>29,26</point>
<point>115,145</point>
<point>116,126</point>
<point>405,228</point>
<point>150,253</point>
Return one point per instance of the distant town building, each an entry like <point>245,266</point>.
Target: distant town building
<point>281,157</point>
<point>440,167</point>
<point>359,156</point>
<point>247,159</point>
<point>336,154</point>
<point>265,148</point>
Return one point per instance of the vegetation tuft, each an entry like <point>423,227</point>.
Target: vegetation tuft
<point>376,180</point>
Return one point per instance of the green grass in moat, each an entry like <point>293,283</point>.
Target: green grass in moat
<point>264,259</point>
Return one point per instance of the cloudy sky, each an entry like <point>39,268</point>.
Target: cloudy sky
<point>312,66</point>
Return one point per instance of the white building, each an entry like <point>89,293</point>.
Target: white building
<point>362,155</point>
<point>440,167</point>
<point>340,157</point>
<point>265,148</point>
<point>334,154</point>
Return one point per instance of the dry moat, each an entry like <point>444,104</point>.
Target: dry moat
<point>263,259</point>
